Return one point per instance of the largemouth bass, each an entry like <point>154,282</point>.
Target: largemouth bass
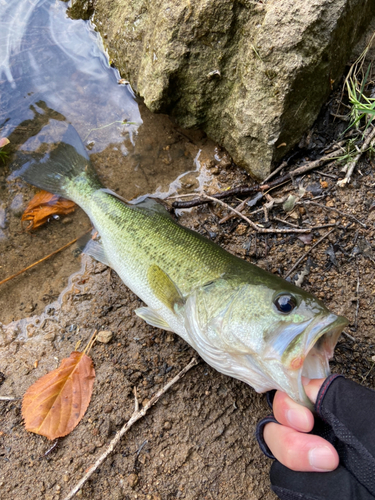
<point>242,320</point>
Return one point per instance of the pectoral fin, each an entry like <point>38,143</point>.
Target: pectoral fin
<point>152,318</point>
<point>164,288</point>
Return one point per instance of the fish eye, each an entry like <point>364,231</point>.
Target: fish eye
<point>285,303</point>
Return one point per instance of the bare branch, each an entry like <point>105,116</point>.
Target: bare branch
<point>137,414</point>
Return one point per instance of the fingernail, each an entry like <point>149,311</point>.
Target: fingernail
<point>322,459</point>
<point>298,419</point>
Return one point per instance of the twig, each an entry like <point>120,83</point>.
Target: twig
<point>357,299</point>
<point>308,251</point>
<point>245,190</point>
<point>44,258</point>
<point>352,164</point>
<point>255,226</point>
<point>324,174</point>
<point>349,216</point>
<point>349,336</point>
<point>137,414</point>
<point>51,448</point>
<point>285,222</point>
<point>239,208</point>
<point>277,170</point>
<point>9,398</point>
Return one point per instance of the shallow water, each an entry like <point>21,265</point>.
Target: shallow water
<point>50,61</point>
<point>54,72</point>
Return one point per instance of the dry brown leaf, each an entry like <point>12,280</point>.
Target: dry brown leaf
<point>3,142</point>
<point>55,404</point>
<point>45,205</point>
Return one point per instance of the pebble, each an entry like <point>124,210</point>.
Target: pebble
<point>49,336</point>
<point>104,336</point>
<point>241,229</point>
<point>167,426</point>
<point>132,480</point>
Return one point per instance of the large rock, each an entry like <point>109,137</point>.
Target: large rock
<point>252,74</point>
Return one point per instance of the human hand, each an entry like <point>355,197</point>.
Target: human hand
<point>342,431</point>
<point>289,442</point>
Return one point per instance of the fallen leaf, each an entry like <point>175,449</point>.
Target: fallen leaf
<point>289,204</point>
<point>3,142</point>
<point>55,404</point>
<point>331,254</point>
<point>43,206</point>
<point>306,238</point>
<point>255,200</point>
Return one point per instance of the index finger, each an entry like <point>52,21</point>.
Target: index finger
<point>288,412</point>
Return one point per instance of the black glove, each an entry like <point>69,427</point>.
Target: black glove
<point>345,418</point>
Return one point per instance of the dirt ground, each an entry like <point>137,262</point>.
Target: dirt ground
<point>198,441</point>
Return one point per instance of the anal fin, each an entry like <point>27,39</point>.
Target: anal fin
<point>152,318</point>
<point>96,250</point>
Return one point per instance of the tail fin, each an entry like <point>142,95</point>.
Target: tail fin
<point>63,163</point>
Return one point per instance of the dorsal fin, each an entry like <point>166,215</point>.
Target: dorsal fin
<point>153,205</point>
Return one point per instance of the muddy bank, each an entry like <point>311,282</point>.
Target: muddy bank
<point>198,441</point>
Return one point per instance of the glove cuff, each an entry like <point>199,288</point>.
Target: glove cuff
<point>259,435</point>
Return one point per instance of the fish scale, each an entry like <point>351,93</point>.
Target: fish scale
<point>244,321</point>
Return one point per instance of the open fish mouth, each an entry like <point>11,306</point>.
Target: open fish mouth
<point>320,337</point>
<point>303,350</point>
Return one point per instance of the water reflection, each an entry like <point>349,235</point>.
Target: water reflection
<point>47,57</point>
<point>54,72</point>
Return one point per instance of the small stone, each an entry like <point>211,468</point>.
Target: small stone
<point>132,480</point>
<point>104,336</point>
<point>167,426</point>
<point>241,229</point>
<point>145,402</point>
<point>170,337</point>
<point>67,220</point>
<point>65,478</point>
<point>57,487</point>
<point>49,336</point>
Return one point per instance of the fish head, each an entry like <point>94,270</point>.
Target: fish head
<point>268,334</point>
<point>299,340</point>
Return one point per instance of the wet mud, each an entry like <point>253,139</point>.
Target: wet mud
<point>198,441</point>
